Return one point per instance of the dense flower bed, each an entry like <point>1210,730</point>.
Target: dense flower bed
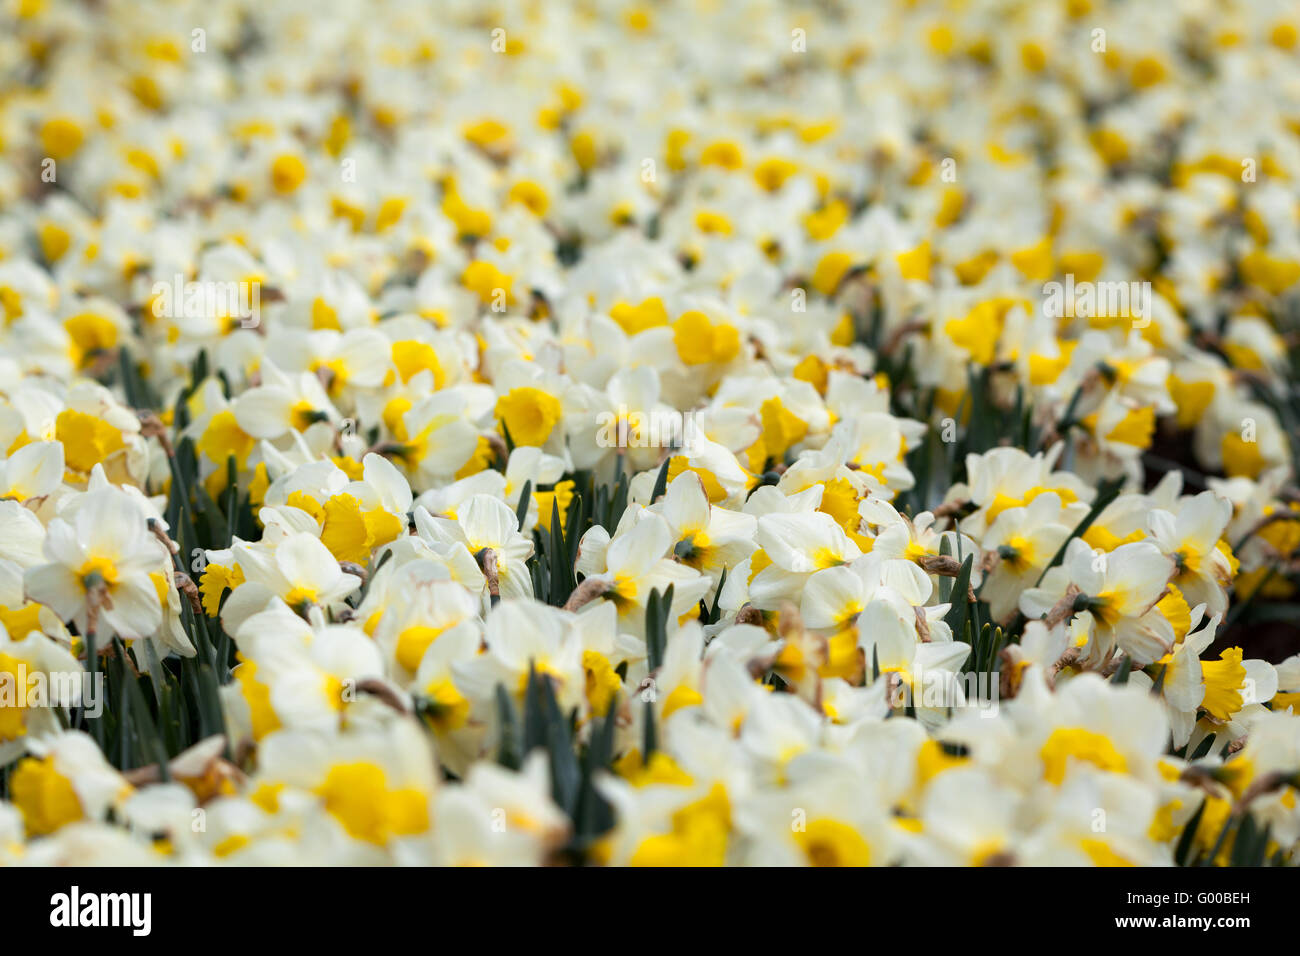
<point>676,433</point>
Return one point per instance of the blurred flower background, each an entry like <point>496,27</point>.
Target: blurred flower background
<point>664,433</point>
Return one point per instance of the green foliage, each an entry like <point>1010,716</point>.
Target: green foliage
<point>575,756</point>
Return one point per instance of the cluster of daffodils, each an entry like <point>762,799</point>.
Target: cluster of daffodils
<point>669,433</point>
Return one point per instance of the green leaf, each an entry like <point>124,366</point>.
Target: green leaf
<point>715,612</point>
<point>561,578</point>
<point>1228,826</point>
<point>958,613</point>
<point>657,613</point>
<point>593,815</point>
<point>534,714</point>
<point>150,742</point>
<point>1244,846</point>
<point>1158,684</point>
<point>1125,668</point>
<point>508,752</point>
<point>232,498</point>
<point>1183,851</point>
<point>525,499</point>
<point>650,734</point>
<point>661,481</point>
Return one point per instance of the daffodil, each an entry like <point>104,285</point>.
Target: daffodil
<point>488,530</point>
<point>101,563</point>
<point>1117,589</point>
<point>1193,537</point>
<point>366,391</point>
<point>1022,541</point>
<point>33,471</point>
<point>625,570</point>
<point>300,571</point>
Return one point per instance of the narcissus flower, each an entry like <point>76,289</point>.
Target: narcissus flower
<point>533,456</point>
<point>101,566</point>
<point>1118,590</point>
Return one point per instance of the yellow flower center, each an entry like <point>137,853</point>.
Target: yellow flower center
<point>827,842</point>
<point>44,796</point>
<point>529,414</point>
<point>1224,680</point>
<point>358,796</point>
<point>1067,743</point>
